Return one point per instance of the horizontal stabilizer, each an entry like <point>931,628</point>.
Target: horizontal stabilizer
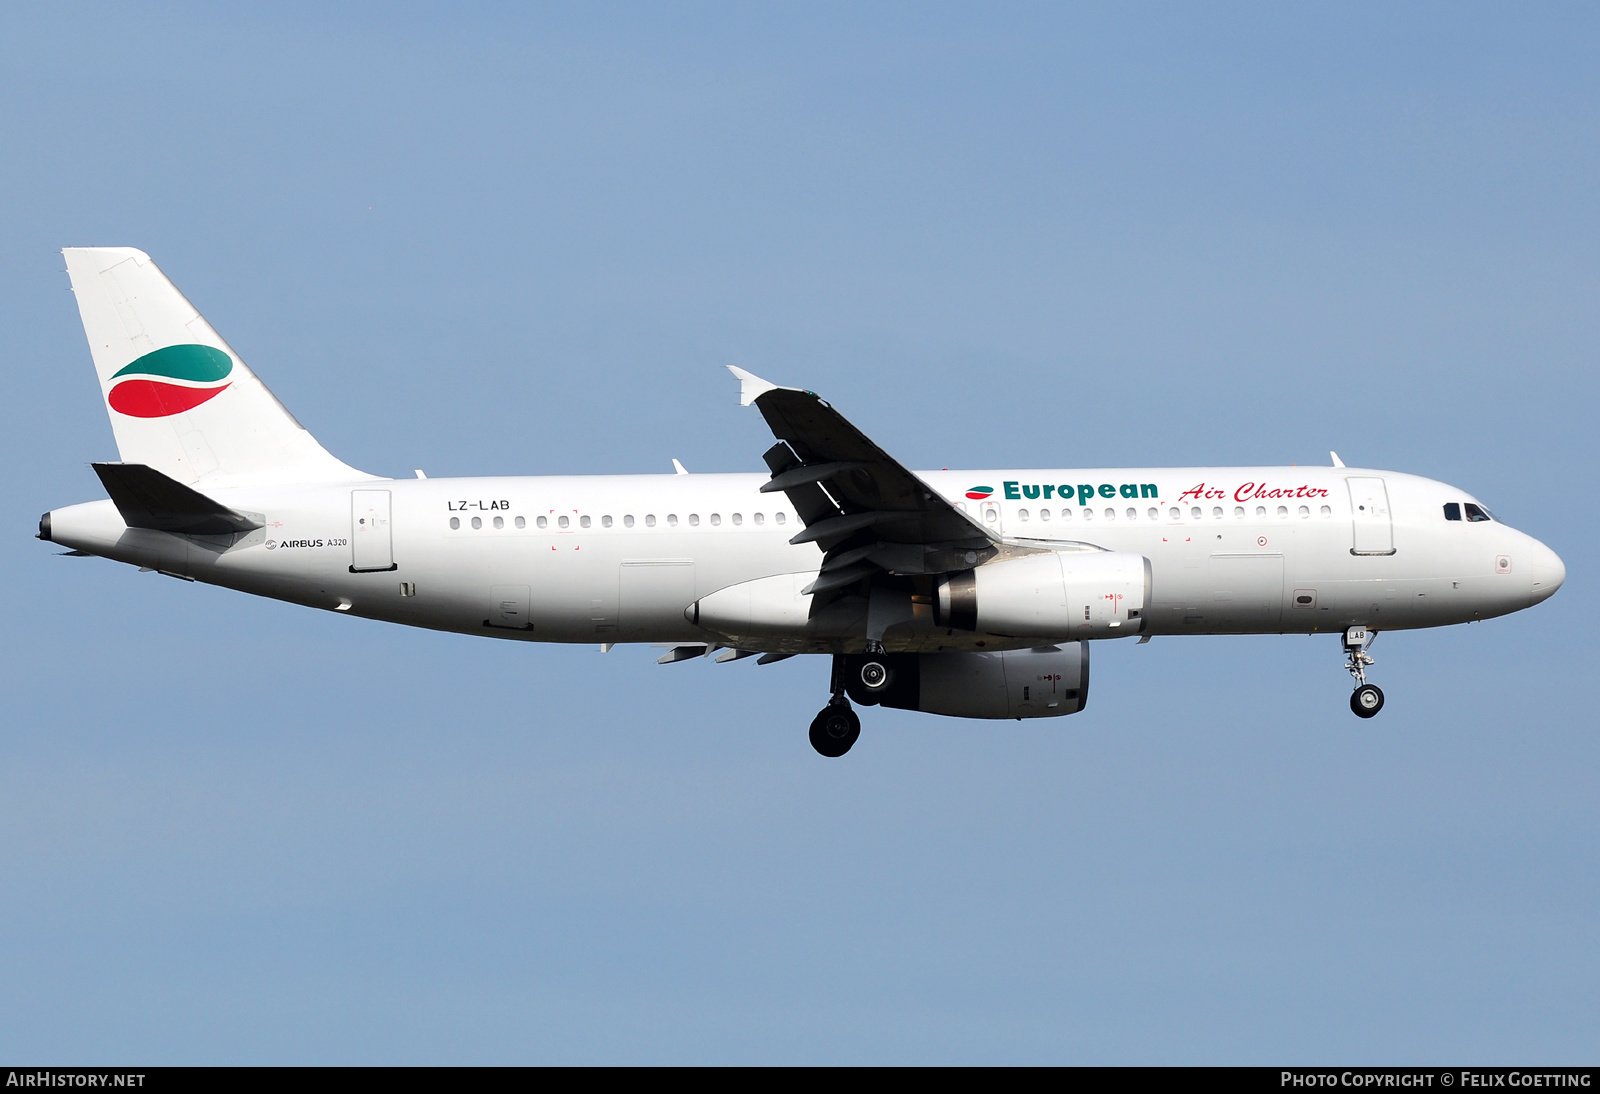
<point>148,499</point>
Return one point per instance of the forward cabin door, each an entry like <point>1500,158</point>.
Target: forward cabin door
<point>1369,511</point>
<point>371,539</point>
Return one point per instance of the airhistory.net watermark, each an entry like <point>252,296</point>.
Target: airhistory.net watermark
<point>45,1077</point>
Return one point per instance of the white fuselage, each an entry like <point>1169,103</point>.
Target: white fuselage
<point>621,558</point>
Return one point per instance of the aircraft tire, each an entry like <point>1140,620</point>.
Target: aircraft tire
<point>834,730</point>
<point>1366,700</point>
<point>876,676</point>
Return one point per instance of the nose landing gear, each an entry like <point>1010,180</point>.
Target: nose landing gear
<point>1367,699</point>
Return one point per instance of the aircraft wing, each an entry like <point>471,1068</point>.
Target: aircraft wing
<point>865,510</point>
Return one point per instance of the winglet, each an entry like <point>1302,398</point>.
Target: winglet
<point>1337,462</point>
<point>751,386</point>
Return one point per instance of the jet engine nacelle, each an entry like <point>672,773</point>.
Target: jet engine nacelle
<point>1045,682</point>
<point>1062,594</point>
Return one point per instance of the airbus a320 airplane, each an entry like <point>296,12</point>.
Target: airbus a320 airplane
<point>974,594</point>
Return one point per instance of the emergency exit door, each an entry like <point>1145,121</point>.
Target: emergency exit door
<point>1373,532</point>
<point>371,539</point>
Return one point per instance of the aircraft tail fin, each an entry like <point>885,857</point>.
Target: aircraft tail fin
<point>181,400</point>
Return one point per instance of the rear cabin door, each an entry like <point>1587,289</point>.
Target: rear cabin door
<point>1369,511</point>
<point>371,539</point>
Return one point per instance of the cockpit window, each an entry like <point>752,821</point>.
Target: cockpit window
<point>1452,510</point>
<point>1477,513</point>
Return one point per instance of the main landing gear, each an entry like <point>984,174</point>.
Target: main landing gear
<point>836,727</point>
<point>1367,699</point>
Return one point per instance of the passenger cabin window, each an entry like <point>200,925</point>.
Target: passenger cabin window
<point>499,522</point>
<point>694,520</point>
<point>605,521</point>
<point>738,519</point>
<point>565,522</point>
<point>477,522</point>
<point>522,522</point>
<point>779,517</point>
<point>584,521</point>
<point>672,520</point>
<point>1022,514</point>
<point>627,521</point>
<point>760,518</point>
<point>1476,513</point>
<point>716,519</point>
<point>455,522</point>
<point>543,522</point>
<point>650,520</point>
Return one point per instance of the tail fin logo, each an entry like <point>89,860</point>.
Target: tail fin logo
<point>148,390</point>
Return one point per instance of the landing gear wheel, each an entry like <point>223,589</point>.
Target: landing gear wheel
<point>875,676</point>
<point>834,730</point>
<point>1366,700</point>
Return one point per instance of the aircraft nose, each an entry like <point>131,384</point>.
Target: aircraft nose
<point>1548,572</point>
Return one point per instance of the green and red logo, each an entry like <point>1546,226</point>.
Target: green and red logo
<point>150,391</point>
<point>980,493</point>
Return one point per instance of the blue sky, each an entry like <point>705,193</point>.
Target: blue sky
<point>513,239</point>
